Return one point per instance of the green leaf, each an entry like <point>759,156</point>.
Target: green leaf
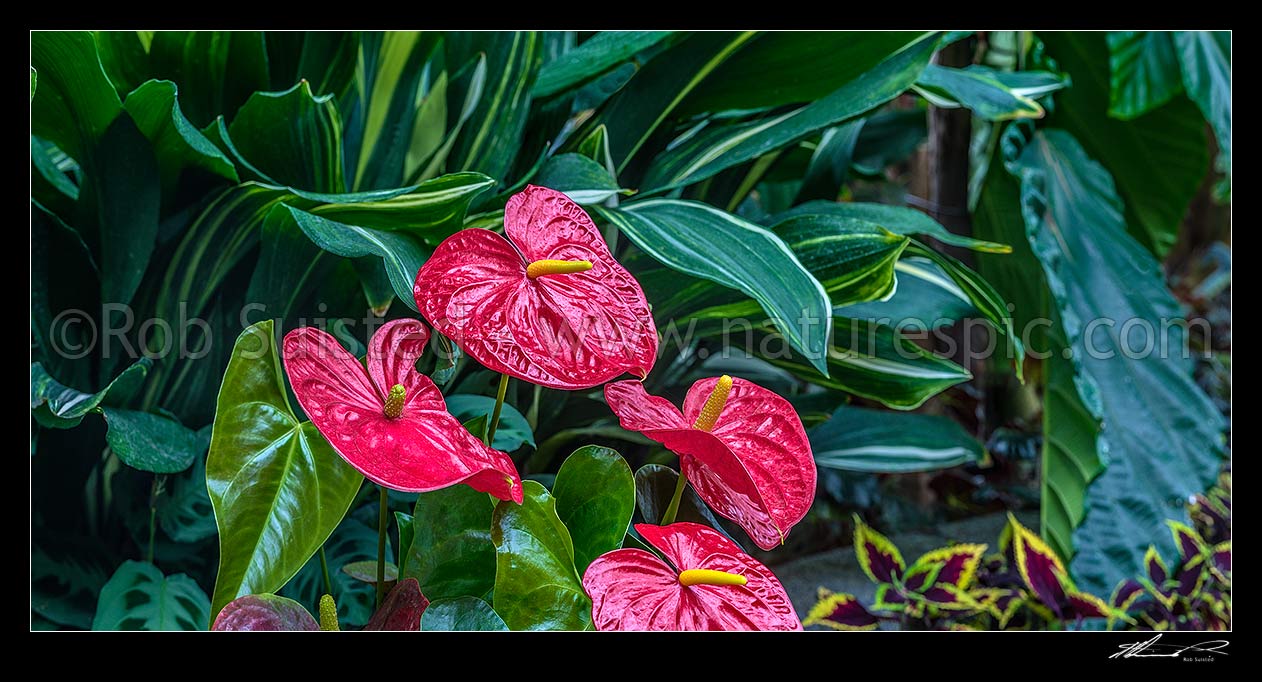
<point>873,361</point>
<point>1143,72</point>
<point>75,101</point>
<point>150,442</point>
<point>462,614</point>
<point>490,141</point>
<point>888,137</point>
<point>536,584</point>
<point>1142,396</point>
<point>513,430</point>
<point>978,89</point>
<point>293,137</point>
<point>402,256</point>
<point>34,81</point>
<point>67,573</point>
<point>277,487</point>
<point>403,522</point>
<point>354,542</point>
<point>926,298</point>
<point>702,241</point>
<point>217,70</point>
<point>854,259</point>
<point>582,179</point>
<point>139,597</point>
<point>326,59</point>
<point>830,162</point>
<point>62,407</point>
<point>897,219</point>
<point>430,211</point>
<point>1206,64</point>
<point>595,56</point>
<point>654,488</point>
<point>1070,457</point>
<point>176,143</point>
<point>124,57</point>
<point>876,441</point>
<point>1157,160</point>
<point>184,510</point>
<point>595,497</point>
<point>710,152</point>
<point>451,554</point>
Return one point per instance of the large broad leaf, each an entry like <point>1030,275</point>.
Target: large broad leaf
<point>702,241</point>
<point>293,137</point>
<point>513,430</point>
<point>184,511</point>
<point>707,153</point>
<point>897,219</point>
<point>853,258</point>
<point>277,487</point>
<point>402,256</point>
<point>491,139</point>
<point>451,554</point>
<point>926,298</point>
<point>150,442</point>
<point>1157,160</point>
<point>139,597</point>
<point>979,89</point>
<point>583,180</point>
<point>461,614</point>
<point>875,441</point>
<point>598,54</point>
<point>654,488</point>
<point>1143,72</point>
<point>217,70</point>
<point>595,497</point>
<point>430,211</point>
<point>1206,60</point>
<point>536,584</point>
<point>176,142</point>
<point>75,101</point>
<point>325,59</point>
<point>57,406</point>
<point>353,542</point>
<point>67,574</point>
<point>125,58</point>
<point>1161,437</point>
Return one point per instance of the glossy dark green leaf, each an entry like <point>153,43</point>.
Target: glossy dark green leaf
<point>67,574</point>
<point>1071,456</point>
<point>978,89</point>
<point>705,154</point>
<point>1161,436</point>
<point>598,54</point>
<point>877,441</point>
<point>403,523</point>
<point>536,584</point>
<point>140,597</point>
<point>513,430</point>
<point>489,142</point>
<point>293,137</point>
<point>184,510</point>
<point>430,211</point>
<point>902,220</point>
<point>461,614</point>
<point>926,298</point>
<point>704,242</point>
<point>595,498</point>
<point>57,406</point>
<point>217,70</point>
<point>582,179</point>
<point>277,487</point>
<point>873,361</point>
<point>423,163</point>
<point>854,259</point>
<point>888,138</point>
<point>654,488</point>
<point>1143,72</point>
<point>451,554</point>
<point>326,59</point>
<point>830,162</point>
<point>176,143</point>
<point>124,57</point>
<point>1157,160</point>
<point>354,542</point>
<point>75,101</point>
<point>1206,60</point>
<point>366,571</point>
<point>402,255</point>
<point>150,442</point>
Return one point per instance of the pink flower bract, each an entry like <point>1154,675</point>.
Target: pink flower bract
<point>632,589</point>
<point>565,329</point>
<point>754,466</point>
<point>424,448</point>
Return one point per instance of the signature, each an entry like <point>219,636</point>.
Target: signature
<point>1151,649</point>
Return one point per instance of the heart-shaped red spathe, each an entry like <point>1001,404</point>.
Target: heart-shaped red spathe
<point>632,589</point>
<point>424,448</point>
<point>568,331</point>
<point>754,467</point>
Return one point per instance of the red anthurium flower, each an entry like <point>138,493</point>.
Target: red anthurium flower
<point>742,448</point>
<point>709,584</point>
<point>549,304</point>
<point>390,421</point>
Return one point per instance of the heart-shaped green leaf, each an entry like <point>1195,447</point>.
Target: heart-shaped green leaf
<point>595,498</point>
<point>139,597</point>
<point>536,585</point>
<point>277,487</point>
<point>461,614</point>
<point>150,442</point>
<point>451,554</point>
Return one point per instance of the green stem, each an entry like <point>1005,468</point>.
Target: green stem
<point>495,414</point>
<point>673,508</point>
<point>324,567</point>
<point>383,516</point>
<point>153,514</point>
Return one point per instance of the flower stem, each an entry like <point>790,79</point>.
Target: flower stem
<point>495,414</point>
<point>383,516</point>
<point>673,508</point>
<point>324,567</point>
<point>153,513</point>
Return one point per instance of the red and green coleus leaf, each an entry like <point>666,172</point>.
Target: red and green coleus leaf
<point>889,599</point>
<point>878,557</point>
<point>1190,577</point>
<point>1186,539</point>
<point>1084,605</point>
<point>918,578</point>
<point>1125,594</point>
<point>1040,568</point>
<point>950,598</point>
<point>957,564</point>
<point>1000,602</point>
<point>1155,566</point>
<point>840,612</point>
<point>1220,562</point>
